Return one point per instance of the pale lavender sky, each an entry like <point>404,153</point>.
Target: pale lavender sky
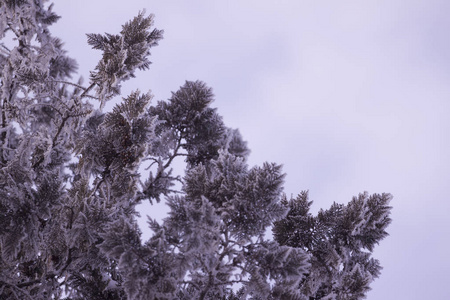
<point>350,96</point>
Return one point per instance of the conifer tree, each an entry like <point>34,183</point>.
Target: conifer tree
<point>70,184</point>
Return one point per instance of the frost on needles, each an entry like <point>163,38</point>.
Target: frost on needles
<point>70,184</point>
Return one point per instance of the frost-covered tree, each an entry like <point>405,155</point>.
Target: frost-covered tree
<point>70,184</point>
<point>339,242</point>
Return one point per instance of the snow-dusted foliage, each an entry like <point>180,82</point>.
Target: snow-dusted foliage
<point>339,241</point>
<point>70,184</point>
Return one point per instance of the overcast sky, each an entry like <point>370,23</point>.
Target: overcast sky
<point>349,96</point>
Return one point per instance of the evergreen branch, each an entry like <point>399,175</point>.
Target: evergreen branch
<point>17,33</point>
<point>47,105</point>
<point>6,49</point>
<point>207,247</point>
<point>18,287</point>
<point>97,186</point>
<point>167,164</point>
<point>58,132</point>
<point>68,261</point>
<point>174,191</point>
<point>155,161</point>
<point>86,91</point>
<point>61,126</point>
<point>191,283</point>
<point>4,134</point>
<point>171,158</point>
<point>92,97</point>
<point>69,83</point>
<point>54,140</point>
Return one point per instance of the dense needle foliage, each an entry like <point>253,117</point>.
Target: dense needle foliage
<point>70,184</point>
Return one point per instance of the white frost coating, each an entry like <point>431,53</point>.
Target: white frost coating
<point>73,221</point>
